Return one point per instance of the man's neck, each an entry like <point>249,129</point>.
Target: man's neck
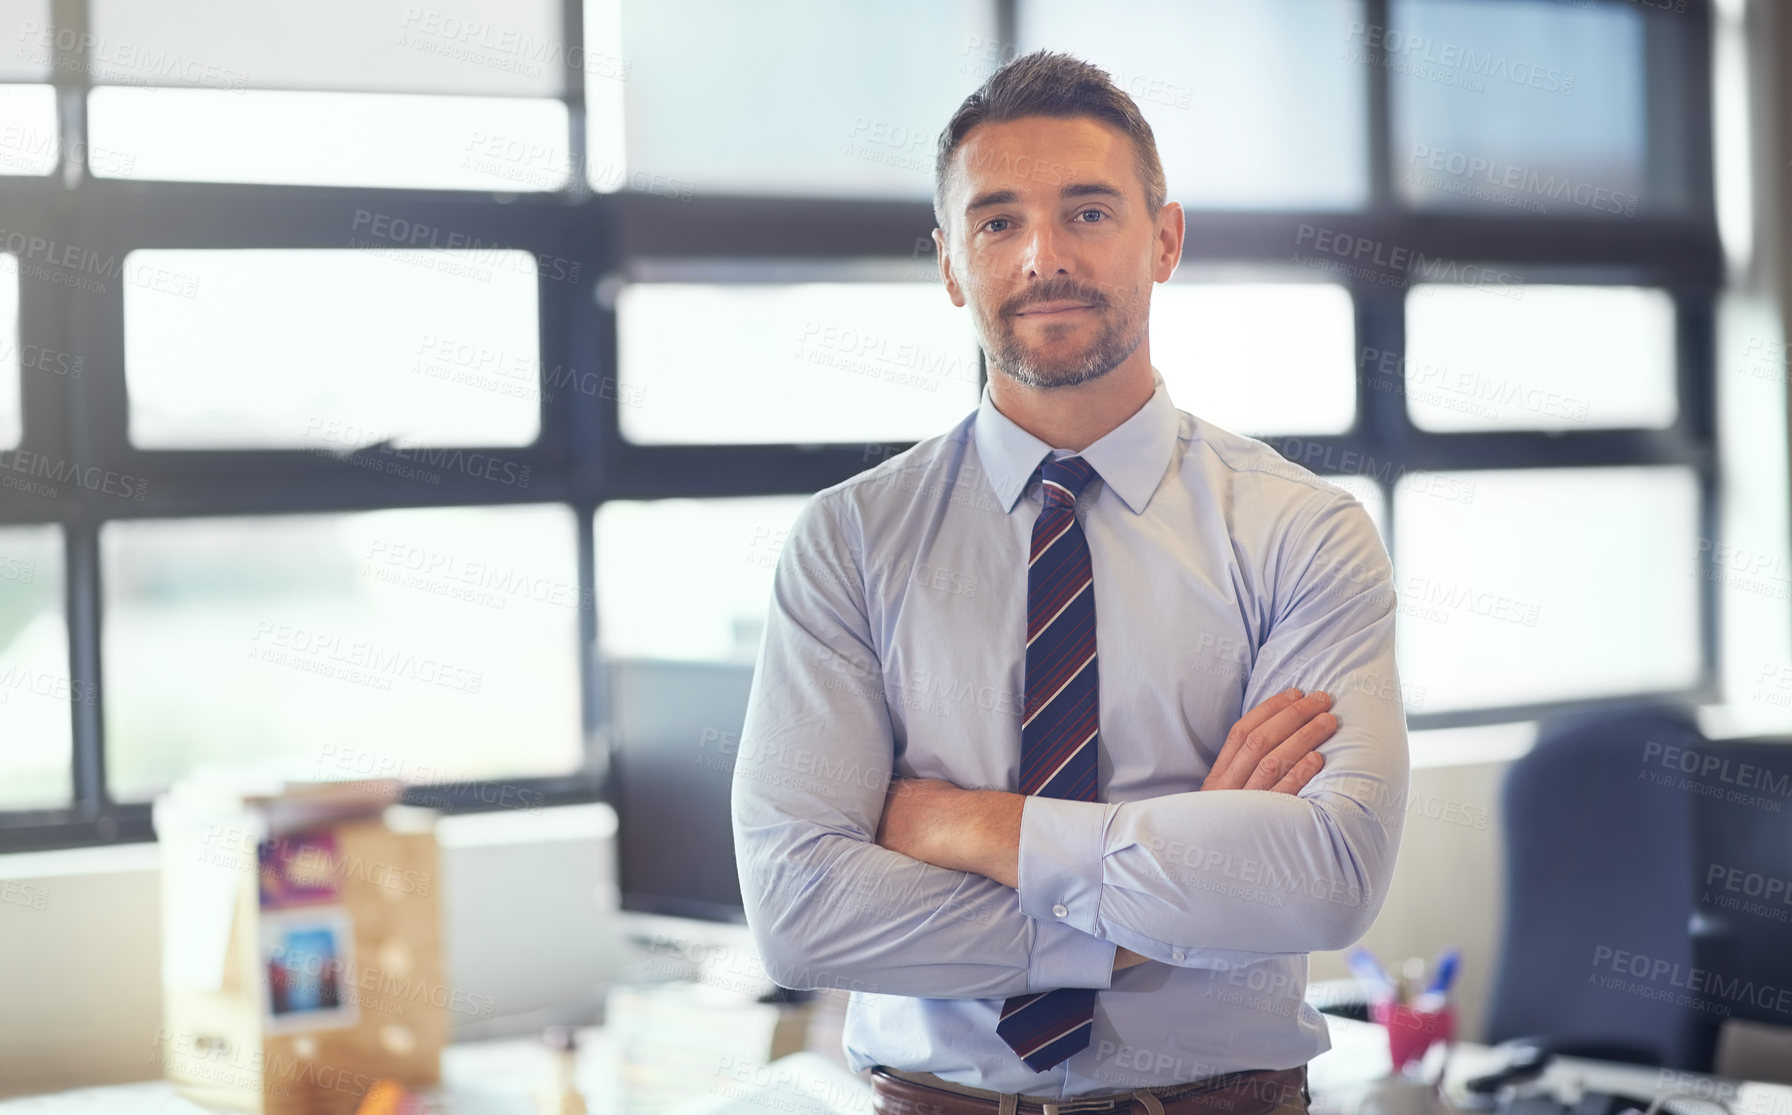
<point>1079,416</point>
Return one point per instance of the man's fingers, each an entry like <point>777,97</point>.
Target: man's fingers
<point>1304,770</point>
<point>1279,762</point>
<point>1259,743</point>
<point>1251,721</point>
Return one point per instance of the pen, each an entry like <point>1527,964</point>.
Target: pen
<point>1369,973</point>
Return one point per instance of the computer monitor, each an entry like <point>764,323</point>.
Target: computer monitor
<point>674,731</point>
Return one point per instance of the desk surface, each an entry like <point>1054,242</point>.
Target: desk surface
<point>497,1078</point>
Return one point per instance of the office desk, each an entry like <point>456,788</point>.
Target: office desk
<point>496,1078</point>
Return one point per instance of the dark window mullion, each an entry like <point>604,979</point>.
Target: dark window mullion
<point>72,76</point>
<point>81,586</point>
<point>1380,125</point>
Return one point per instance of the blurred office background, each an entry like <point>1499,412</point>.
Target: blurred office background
<point>423,387</point>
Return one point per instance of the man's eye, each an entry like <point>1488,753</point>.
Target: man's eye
<point>993,221</point>
<point>1097,212</point>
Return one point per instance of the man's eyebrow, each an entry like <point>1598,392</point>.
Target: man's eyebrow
<point>1071,189</point>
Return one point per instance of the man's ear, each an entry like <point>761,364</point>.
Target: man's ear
<point>1171,229</point>
<point>952,286</point>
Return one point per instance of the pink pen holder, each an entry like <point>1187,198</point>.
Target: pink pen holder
<point>1413,1030</point>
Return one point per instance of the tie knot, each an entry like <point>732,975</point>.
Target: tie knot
<point>1065,478</point>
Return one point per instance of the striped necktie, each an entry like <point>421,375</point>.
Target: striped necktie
<point>1058,729</point>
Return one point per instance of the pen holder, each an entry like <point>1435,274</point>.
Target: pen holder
<point>1412,1030</point>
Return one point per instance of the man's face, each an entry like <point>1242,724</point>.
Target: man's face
<point>1052,248</point>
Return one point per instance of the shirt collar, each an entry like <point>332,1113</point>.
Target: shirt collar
<point>1130,458</point>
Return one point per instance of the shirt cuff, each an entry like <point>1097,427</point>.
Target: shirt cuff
<point>1066,957</point>
<point>1062,844</point>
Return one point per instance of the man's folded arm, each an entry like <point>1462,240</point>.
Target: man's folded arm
<point>1207,879</point>
<point>826,905</point>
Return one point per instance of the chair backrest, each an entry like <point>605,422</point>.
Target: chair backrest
<point>1742,867</point>
<point>1598,875</point>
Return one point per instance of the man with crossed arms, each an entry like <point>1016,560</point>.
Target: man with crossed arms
<point>1049,874</point>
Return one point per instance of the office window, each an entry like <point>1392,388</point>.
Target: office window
<point>847,99</point>
<point>11,402</point>
<point>1529,107</point>
<point>30,55</point>
<point>510,49</point>
<point>1258,358</point>
<point>772,323</point>
<point>1559,358</point>
<point>688,578</point>
<point>29,141</point>
<point>1528,586</point>
<point>455,95</point>
<point>331,349</point>
<point>329,139</point>
<point>1192,66</point>
<point>440,644</point>
<point>838,363</point>
<point>36,691</point>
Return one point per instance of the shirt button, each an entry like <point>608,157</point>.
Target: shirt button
<point>1060,911</point>
<point>1177,955</point>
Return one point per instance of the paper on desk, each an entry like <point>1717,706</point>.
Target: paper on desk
<point>206,858</point>
<point>800,1084</point>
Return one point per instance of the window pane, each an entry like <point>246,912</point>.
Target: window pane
<point>1524,106</point>
<point>1560,358</point>
<point>1258,358</point>
<point>793,362</point>
<point>511,47</point>
<point>688,578</point>
<point>328,139</point>
<point>29,140</point>
<point>1522,586</point>
<point>440,643</point>
<point>36,692</point>
<point>32,54</point>
<point>11,401</point>
<point>825,117</point>
<point>422,347</point>
<point>1254,106</point>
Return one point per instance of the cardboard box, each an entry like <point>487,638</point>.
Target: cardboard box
<point>299,968</point>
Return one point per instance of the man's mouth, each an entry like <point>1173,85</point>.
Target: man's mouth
<point>1047,309</point>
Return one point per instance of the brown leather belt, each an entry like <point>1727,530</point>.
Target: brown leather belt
<point>1237,1093</point>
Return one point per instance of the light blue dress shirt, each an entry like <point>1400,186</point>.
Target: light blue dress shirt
<point>894,646</point>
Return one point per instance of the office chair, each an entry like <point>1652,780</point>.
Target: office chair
<point>1599,862</point>
<point>1742,861</point>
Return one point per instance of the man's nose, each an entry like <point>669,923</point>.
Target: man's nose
<point>1048,251</point>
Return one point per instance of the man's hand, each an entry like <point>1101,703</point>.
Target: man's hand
<point>1273,747</point>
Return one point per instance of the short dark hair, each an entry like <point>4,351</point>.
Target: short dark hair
<point>1050,83</point>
